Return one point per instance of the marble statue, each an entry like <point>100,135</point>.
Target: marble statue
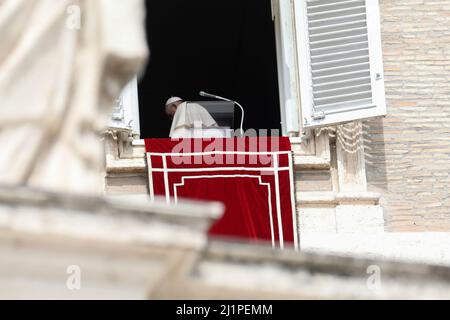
<point>63,63</point>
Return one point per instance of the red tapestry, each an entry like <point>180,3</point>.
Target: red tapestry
<point>253,177</point>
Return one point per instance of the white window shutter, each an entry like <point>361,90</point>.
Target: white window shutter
<point>125,114</point>
<point>340,61</point>
<point>283,11</point>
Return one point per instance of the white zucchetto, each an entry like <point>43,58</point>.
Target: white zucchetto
<point>173,100</point>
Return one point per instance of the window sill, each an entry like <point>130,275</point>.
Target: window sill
<point>136,163</point>
<point>314,199</point>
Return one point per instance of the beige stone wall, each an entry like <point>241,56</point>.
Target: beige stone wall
<point>408,153</point>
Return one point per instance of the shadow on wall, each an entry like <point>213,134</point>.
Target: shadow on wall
<point>375,156</point>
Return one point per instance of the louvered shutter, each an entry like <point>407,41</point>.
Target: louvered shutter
<point>125,116</point>
<point>340,58</point>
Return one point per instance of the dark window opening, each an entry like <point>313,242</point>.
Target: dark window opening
<point>226,47</point>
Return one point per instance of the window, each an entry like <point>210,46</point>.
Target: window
<point>224,47</point>
<point>328,55</point>
<point>340,60</point>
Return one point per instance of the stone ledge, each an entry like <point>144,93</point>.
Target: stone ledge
<point>316,198</point>
<point>124,219</point>
<point>141,142</point>
<point>138,143</point>
<point>129,204</point>
<point>408,247</point>
<point>310,162</point>
<point>137,164</point>
<point>133,165</point>
<point>368,198</point>
<point>334,199</point>
<point>335,263</point>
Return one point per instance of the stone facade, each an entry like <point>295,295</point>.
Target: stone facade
<point>57,246</point>
<point>408,152</point>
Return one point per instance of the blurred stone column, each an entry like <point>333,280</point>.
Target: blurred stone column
<point>62,66</point>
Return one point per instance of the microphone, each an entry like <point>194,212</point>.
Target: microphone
<point>209,95</point>
<point>213,96</point>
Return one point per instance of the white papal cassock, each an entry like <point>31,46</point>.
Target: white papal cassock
<point>189,116</point>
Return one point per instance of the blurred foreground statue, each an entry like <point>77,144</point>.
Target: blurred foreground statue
<point>63,64</point>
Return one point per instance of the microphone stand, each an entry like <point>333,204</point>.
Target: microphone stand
<point>208,95</point>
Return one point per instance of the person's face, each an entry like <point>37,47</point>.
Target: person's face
<point>171,109</point>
